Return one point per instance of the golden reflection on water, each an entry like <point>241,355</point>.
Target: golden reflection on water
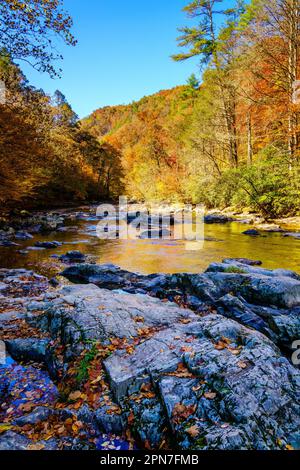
<point>165,256</point>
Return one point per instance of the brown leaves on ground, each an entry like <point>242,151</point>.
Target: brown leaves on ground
<point>210,395</point>
<point>146,392</point>
<point>225,343</point>
<point>181,371</point>
<point>54,427</point>
<point>21,329</point>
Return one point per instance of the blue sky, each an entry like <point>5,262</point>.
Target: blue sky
<point>123,52</point>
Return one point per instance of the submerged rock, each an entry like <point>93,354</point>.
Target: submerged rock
<point>47,245</point>
<point>73,257</point>
<point>252,233</point>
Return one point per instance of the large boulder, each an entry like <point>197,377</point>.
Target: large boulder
<point>214,382</point>
<point>217,218</point>
<point>223,386</point>
<point>85,313</point>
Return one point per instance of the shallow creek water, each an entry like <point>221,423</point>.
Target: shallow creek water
<point>157,256</point>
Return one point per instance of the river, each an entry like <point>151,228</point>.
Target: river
<point>156,256</point>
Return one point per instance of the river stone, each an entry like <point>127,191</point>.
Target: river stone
<point>73,257</point>
<point>280,291</point>
<point>295,235</point>
<point>47,245</point>
<point>23,236</point>
<point>243,261</point>
<point>27,350</point>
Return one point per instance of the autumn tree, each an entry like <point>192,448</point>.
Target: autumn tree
<point>28,30</point>
<point>216,50</point>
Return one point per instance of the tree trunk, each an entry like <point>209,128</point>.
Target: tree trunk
<point>294,20</point>
<point>250,146</point>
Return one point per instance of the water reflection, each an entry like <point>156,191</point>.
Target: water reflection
<point>165,256</point>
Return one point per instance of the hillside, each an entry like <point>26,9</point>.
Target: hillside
<point>149,136</point>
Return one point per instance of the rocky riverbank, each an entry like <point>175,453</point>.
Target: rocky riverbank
<point>121,360</point>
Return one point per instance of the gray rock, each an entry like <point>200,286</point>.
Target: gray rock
<point>295,235</point>
<point>246,261</point>
<point>7,243</point>
<point>13,441</point>
<point>110,423</point>
<point>217,219</point>
<point>73,257</point>
<point>279,291</point>
<point>23,236</point>
<point>234,399</point>
<point>98,314</point>
<point>47,245</point>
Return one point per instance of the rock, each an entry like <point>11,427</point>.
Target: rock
<point>23,252</point>
<point>295,235</point>
<point>47,245</point>
<point>35,248</point>
<point>110,423</point>
<point>7,243</point>
<point>232,307</point>
<point>23,236</point>
<point>73,257</point>
<point>252,233</point>
<point>40,413</point>
<point>12,441</point>
<point>107,276</point>
<point>242,395</point>
<point>54,282</point>
<point>281,291</point>
<point>7,234</point>
<point>246,261</point>
<point>27,350</point>
<point>99,314</point>
<point>22,283</point>
<point>272,228</point>
<point>217,219</point>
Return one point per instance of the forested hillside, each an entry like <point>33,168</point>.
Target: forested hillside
<point>233,140</point>
<point>229,139</point>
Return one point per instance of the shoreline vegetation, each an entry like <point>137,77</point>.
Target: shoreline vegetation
<point>230,140</point>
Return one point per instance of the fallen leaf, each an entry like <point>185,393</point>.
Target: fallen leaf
<point>74,396</point>
<point>35,446</point>
<point>131,418</point>
<point>242,365</point>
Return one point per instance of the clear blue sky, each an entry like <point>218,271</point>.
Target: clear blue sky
<point>123,52</point>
